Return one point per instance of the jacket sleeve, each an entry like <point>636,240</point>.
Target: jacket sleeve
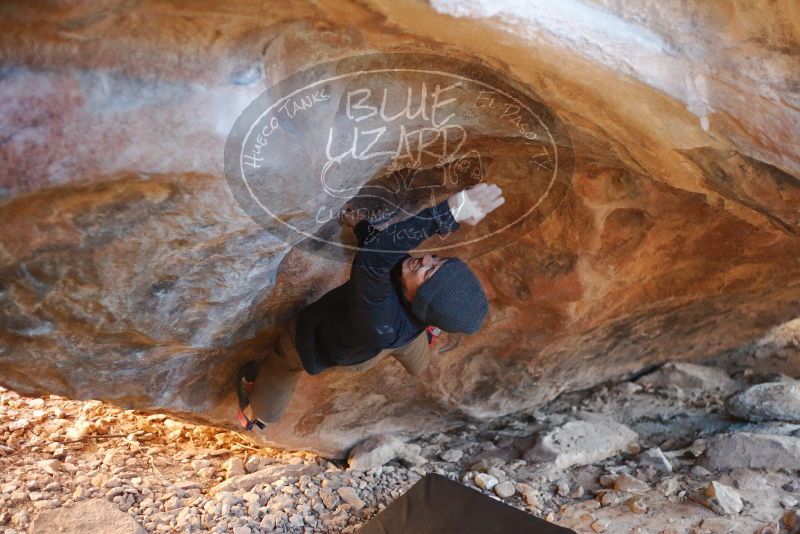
<point>378,252</point>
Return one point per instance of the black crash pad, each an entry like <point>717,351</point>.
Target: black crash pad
<point>438,505</point>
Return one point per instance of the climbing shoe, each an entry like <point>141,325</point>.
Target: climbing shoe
<point>245,382</point>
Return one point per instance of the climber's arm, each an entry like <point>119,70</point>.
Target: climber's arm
<point>469,205</point>
<point>380,250</point>
<point>373,306</point>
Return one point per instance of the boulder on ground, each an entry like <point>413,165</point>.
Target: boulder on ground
<point>755,451</point>
<point>655,458</point>
<point>93,516</point>
<point>374,452</point>
<point>631,484</point>
<point>774,401</point>
<point>724,499</point>
<point>234,467</point>
<point>411,454</point>
<point>349,496</point>
<point>485,481</point>
<point>451,455</point>
<point>716,525</point>
<point>267,475</point>
<point>505,489</point>
<point>669,486</point>
<point>688,376</point>
<point>580,443</point>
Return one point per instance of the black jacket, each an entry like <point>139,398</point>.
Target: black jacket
<point>352,323</point>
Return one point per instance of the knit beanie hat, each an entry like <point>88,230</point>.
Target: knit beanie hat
<point>451,299</point>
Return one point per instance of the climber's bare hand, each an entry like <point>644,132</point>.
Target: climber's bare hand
<point>473,204</point>
<point>488,197</point>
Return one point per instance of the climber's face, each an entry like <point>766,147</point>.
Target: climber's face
<point>416,270</point>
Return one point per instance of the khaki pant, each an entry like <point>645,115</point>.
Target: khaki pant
<point>282,368</point>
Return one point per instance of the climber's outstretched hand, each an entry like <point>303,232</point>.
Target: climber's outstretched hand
<point>473,204</point>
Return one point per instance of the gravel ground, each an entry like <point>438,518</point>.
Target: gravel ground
<point>623,457</point>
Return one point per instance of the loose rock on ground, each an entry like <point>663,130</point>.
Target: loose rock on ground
<point>629,457</point>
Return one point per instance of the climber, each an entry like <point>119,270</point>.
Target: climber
<point>393,303</point>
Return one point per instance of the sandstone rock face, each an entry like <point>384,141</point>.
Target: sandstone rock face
<point>129,273</point>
